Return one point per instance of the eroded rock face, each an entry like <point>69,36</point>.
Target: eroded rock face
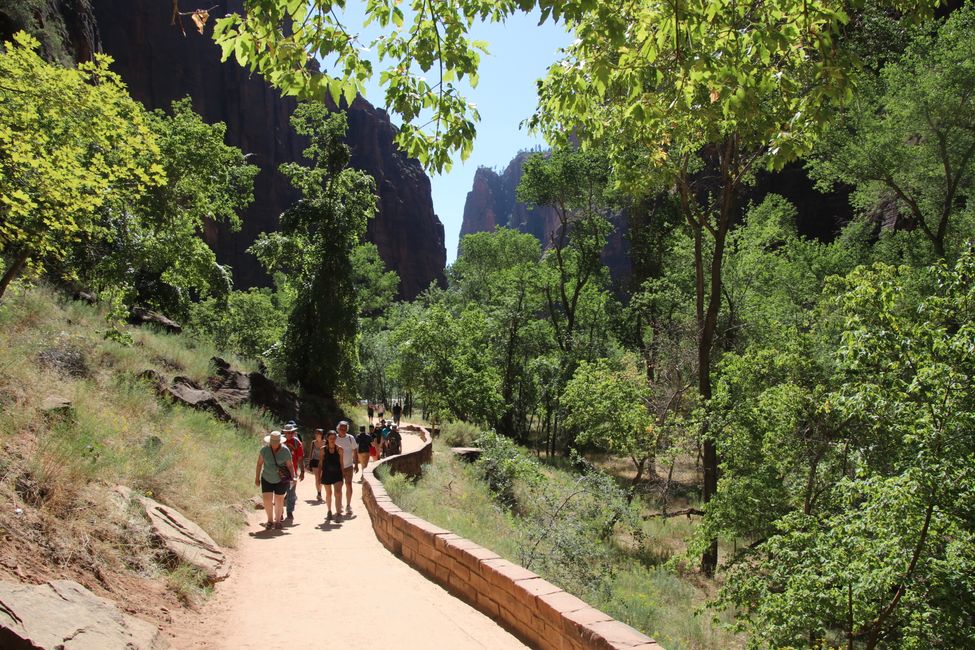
<point>185,391</point>
<point>183,538</point>
<point>63,615</point>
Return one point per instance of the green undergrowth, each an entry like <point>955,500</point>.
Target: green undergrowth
<point>570,527</point>
<point>60,466</point>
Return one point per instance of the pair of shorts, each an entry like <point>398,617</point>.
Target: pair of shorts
<point>331,477</point>
<point>313,463</point>
<point>280,488</point>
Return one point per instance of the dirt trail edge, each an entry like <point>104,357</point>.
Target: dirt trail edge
<point>315,585</point>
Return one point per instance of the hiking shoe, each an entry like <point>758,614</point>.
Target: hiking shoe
<point>348,511</point>
<point>319,497</point>
<point>328,517</point>
<point>278,525</point>
<point>290,516</point>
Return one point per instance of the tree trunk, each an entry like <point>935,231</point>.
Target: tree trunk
<point>12,272</point>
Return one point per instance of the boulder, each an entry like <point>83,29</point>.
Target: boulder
<point>63,615</point>
<point>141,316</point>
<point>185,391</point>
<point>183,538</point>
<point>55,406</point>
<point>230,386</point>
<point>468,454</point>
<point>267,394</point>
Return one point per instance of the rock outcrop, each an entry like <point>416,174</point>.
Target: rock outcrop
<point>159,64</point>
<point>142,316</point>
<point>187,392</point>
<point>183,539</point>
<point>63,615</point>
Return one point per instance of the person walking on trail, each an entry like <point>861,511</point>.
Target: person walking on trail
<point>273,475</point>
<point>397,412</point>
<point>350,460</point>
<point>364,440</point>
<point>330,474</point>
<point>294,445</point>
<point>315,460</point>
<point>369,412</point>
<point>376,446</point>
<point>394,441</point>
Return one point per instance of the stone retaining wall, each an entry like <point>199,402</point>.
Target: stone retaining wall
<point>534,609</point>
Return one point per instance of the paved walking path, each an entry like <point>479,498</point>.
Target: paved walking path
<point>315,585</point>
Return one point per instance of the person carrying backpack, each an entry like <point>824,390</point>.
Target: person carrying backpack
<point>394,441</point>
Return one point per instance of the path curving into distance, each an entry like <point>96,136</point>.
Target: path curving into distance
<point>315,586</point>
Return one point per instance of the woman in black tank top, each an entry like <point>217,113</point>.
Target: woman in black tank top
<point>331,471</point>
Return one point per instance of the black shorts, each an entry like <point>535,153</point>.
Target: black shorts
<point>279,488</point>
<point>313,463</point>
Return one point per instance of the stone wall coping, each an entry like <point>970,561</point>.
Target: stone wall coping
<point>537,611</point>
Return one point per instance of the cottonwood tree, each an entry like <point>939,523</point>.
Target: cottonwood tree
<point>71,141</point>
<point>500,272</point>
<point>693,97</point>
<point>314,249</point>
<point>910,134</point>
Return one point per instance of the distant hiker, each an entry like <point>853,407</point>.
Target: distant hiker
<point>369,411</point>
<point>315,460</point>
<point>350,460</point>
<point>297,465</point>
<point>394,442</point>
<point>382,410</point>
<point>364,440</point>
<point>397,411</point>
<point>376,449</point>
<point>330,474</point>
<point>274,474</point>
<point>384,434</point>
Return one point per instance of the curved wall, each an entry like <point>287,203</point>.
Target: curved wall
<point>534,609</point>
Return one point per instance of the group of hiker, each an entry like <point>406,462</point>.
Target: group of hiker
<point>379,410</point>
<point>333,458</point>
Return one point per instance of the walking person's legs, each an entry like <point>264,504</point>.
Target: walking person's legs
<point>278,509</point>
<point>268,498</point>
<point>291,499</point>
<point>328,501</point>
<point>347,479</point>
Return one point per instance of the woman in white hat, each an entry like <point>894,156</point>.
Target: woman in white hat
<point>274,477</point>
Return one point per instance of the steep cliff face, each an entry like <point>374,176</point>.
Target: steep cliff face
<point>159,64</point>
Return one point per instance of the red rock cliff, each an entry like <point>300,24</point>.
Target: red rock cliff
<point>160,65</point>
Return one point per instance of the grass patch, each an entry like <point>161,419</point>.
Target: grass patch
<point>188,583</point>
<point>61,465</point>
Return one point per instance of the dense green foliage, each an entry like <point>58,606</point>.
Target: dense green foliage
<point>314,249</point>
<point>72,141</point>
<point>102,193</point>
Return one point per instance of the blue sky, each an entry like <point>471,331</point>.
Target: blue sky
<point>520,52</point>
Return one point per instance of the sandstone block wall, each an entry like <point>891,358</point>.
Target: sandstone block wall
<point>534,609</point>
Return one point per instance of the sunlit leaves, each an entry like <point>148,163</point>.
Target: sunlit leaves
<point>71,141</point>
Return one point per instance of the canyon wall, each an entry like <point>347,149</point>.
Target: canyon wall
<point>160,64</point>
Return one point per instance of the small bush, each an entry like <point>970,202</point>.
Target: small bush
<point>502,464</point>
<point>459,434</point>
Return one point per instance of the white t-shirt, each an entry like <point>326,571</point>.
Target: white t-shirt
<point>350,447</point>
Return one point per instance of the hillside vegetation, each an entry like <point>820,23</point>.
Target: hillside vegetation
<point>58,467</point>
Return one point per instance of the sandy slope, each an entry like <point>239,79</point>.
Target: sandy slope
<point>313,585</point>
